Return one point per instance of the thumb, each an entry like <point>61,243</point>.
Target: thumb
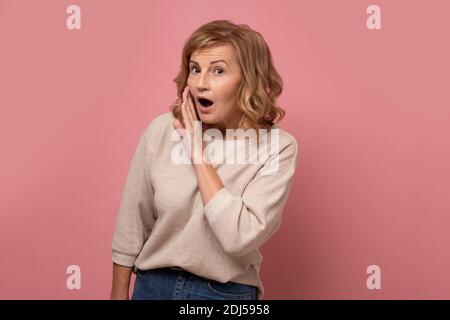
<point>177,124</point>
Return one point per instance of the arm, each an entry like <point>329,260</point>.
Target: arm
<point>120,282</point>
<point>135,220</point>
<point>209,182</point>
<point>243,223</point>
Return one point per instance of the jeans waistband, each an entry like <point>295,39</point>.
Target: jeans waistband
<point>177,268</point>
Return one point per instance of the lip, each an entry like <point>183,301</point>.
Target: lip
<point>202,108</point>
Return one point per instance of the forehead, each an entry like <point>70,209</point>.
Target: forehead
<point>224,51</point>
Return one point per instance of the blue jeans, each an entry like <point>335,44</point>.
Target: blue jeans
<point>178,284</point>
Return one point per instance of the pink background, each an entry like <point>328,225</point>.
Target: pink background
<point>369,108</point>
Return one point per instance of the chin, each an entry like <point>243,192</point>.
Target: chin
<point>207,118</point>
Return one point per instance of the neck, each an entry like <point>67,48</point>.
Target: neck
<point>230,124</point>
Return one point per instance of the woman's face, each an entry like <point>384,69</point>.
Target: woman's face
<point>215,74</point>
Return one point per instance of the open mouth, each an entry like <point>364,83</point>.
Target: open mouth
<point>205,102</point>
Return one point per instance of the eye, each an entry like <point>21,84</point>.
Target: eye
<point>219,70</point>
<point>193,67</point>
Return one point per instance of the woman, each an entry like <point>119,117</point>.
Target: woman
<point>192,229</point>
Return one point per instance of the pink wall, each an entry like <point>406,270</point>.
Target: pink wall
<point>370,110</point>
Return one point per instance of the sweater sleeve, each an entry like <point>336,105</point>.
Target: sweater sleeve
<point>243,223</point>
<point>135,219</point>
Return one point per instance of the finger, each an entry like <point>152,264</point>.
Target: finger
<point>187,110</point>
<point>177,124</point>
<point>183,109</point>
<point>190,109</point>
<point>187,139</point>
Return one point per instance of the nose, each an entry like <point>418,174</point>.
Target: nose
<point>202,83</point>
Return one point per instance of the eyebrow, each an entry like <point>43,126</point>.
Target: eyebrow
<point>212,62</point>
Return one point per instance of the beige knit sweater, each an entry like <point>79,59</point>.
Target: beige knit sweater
<point>162,221</point>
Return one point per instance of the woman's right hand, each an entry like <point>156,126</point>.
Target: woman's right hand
<point>193,147</point>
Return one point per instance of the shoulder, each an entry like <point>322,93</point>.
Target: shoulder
<point>288,144</point>
<point>159,124</point>
<point>282,159</point>
<point>158,131</point>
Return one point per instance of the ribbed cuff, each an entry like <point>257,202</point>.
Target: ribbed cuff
<point>123,259</point>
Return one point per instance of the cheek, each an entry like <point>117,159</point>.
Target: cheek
<point>228,92</point>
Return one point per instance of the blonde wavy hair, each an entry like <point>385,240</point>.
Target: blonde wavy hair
<point>261,83</point>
